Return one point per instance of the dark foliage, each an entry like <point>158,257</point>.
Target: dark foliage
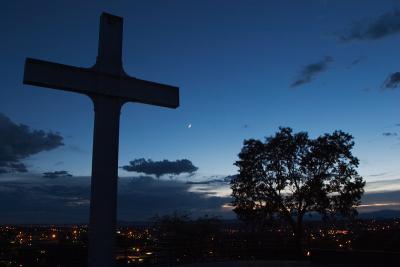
<point>290,175</point>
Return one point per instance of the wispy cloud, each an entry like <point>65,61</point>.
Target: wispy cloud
<point>374,201</point>
<point>222,180</point>
<point>391,204</point>
<point>389,134</point>
<point>355,62</point>
<point>56,174</point>
<point>392,81</point>
<point>373,29</point>
<point>76,149</point>
<point>308,72</point>
<point>378,174</point>
<point>383,185</point>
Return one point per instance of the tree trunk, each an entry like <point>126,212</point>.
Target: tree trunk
<point>298,236</point>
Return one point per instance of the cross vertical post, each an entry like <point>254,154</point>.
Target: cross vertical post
<point>104,183</point>
<point>109,88</point>
<point>109,55</point>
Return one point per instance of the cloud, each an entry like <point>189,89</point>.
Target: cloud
<point>389,134</point>
<point>8,167</point>
<point>208,182</point>
<point>66,200</point>
<point>356,61</point>
<point>143,197</point>
<point>392,81</point>
<point>308,72</point>
<point>222,180</point>
<point>25,198</point>
<point>382,185</point>
<point>159,168</point>
<point>373,29</point>
<point>56,174</point>
<point>380,200</point>
<point>76,149</point>
<point>378,174</point>
<point>34,200</point>
<point>18,141</point>
<point>212,186</point>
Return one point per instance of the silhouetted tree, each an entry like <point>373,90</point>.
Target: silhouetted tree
<point>290,175</point>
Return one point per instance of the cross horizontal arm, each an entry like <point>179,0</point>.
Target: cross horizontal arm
<point>90,81</point>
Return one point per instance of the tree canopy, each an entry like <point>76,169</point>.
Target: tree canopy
<point>291,174</point>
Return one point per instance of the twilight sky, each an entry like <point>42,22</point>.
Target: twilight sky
<point>244,68</point>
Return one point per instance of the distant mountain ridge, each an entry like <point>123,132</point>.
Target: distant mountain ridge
<point>380,214</point>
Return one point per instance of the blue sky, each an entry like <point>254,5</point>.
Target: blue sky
<point>234,62</point>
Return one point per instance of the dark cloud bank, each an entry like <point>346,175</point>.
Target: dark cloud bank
<point>18,142</point>
<point>307,74</point>
<point>373,29</point>
<point>159,168</point>
<point>66,200</point>
<point>143,197</point>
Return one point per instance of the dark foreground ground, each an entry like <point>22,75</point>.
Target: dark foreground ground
<point>208,242</point>
<point>318,258</point>
<point>270,264</point>
<point>281,264</point>
<point>253,264</point>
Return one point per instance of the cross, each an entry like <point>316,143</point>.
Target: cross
<point>109,88</point>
